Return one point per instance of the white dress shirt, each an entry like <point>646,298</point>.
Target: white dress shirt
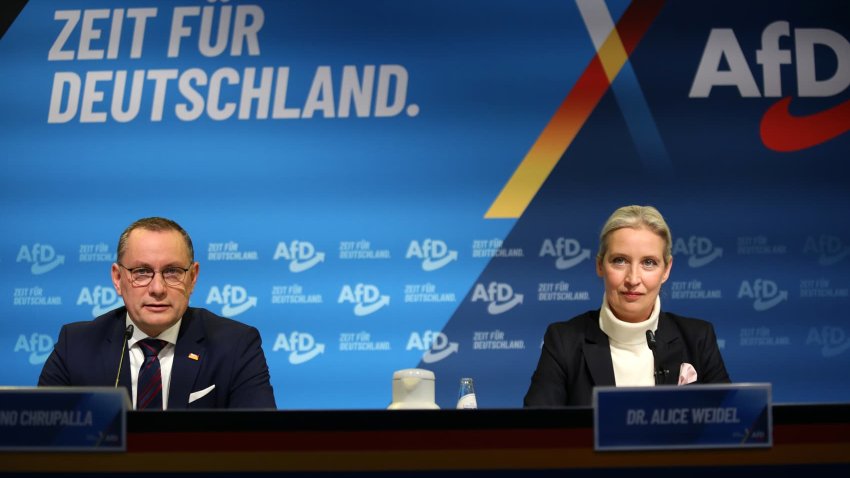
<point>166,357</point>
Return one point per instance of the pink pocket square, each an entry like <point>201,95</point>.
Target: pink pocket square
<point>687,374</point>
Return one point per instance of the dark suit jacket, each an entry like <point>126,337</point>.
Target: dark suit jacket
<point>576,357</point>
<point>229,352</point>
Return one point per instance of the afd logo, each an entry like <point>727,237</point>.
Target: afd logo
<point>435,344</point>
<point>101,299</point>
<point>233,299</point>
<point>42,257</point>
<point>569,252</point>
<point>38,346</point>
<point>499,296</point>
<point>829,248</point>
<point>833,341</point>
<point>367,299</point>
<point>301,255</point>
<point>724,63</point>
<point>434,253</point>
<point>700,250</point>
<point>302,347</point>
<point>765,293</point>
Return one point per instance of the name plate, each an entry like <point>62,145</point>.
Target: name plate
<point>63,419</point>
<point>686,417</point>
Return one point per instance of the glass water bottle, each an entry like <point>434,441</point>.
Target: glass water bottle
<point>466,395</point>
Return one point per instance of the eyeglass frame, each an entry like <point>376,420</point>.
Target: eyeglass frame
<point>135,282</point>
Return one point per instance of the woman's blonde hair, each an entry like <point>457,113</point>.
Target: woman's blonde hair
<point>636,217</point>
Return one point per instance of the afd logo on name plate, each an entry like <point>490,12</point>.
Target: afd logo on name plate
<point>499,297</point>
<point>42,257</point>
<point>38,346</point>
<point>367,298</point>
<point>302,255</point>
<point>434,253</point>
<point>700,250</point>
<point>829,249</point>
<point>764,293</point>
<point>302,347</point>
<point>833,341</point>
<point>101,299</point>
<point>724,63</point>
<point>568,252</point>
<point>233,299</point>
<point>436,345</point>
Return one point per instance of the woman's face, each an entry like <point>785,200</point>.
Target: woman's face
<point>633,270</point>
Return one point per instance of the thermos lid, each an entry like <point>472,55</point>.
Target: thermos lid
<point>419,373</point>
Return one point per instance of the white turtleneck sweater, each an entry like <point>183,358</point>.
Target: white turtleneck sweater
<point>633,361</point>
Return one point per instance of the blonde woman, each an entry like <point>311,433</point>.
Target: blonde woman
<point>630,340</point>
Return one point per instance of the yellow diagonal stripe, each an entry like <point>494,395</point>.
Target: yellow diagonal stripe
<point>613,55</point>
<point>554,140</point>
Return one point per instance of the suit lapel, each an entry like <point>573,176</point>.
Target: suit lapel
<point>597,352</point>
<point>669,352</point>
<point>189,352</point>
<point>110,355</point>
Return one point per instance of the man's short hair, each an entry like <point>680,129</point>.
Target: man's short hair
<point>155,224</point>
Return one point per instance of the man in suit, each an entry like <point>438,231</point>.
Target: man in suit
<point>167,355</point>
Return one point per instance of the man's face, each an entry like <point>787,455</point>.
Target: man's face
<point>155,307</point>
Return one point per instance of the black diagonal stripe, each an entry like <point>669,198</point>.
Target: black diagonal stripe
<point>9,12</point>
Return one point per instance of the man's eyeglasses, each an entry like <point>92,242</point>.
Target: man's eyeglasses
<point>142,276</point>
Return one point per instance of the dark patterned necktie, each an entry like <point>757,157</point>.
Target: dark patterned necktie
<point>149,384</point>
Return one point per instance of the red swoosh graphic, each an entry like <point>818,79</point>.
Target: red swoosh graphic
<point>783,132</point>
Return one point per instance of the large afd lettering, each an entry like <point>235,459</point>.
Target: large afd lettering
<point>39,253</point>
<point>758,289</point>
<point>296,341</point>
<point>561,247</point>
<point>723,44</point>
<point>359,294</point>
<point>429,248</point>
<point>97,296</point>
<point>427,340</point>
<point>229,294</point>
<point>296,250</point>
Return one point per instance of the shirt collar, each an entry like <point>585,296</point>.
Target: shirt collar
<point>169,335</point>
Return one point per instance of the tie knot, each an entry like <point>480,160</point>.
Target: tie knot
<point>152,347</point>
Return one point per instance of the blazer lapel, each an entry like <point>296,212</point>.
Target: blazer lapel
<point>189,352</point>
<point>669,351</point>
<point>110,357</point>
<point>597,353</point>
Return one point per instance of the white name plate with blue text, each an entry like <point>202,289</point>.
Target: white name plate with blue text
<point>692,416</point>
<point>63,418</point>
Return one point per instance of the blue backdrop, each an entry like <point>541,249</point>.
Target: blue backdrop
<point>345,170</point>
